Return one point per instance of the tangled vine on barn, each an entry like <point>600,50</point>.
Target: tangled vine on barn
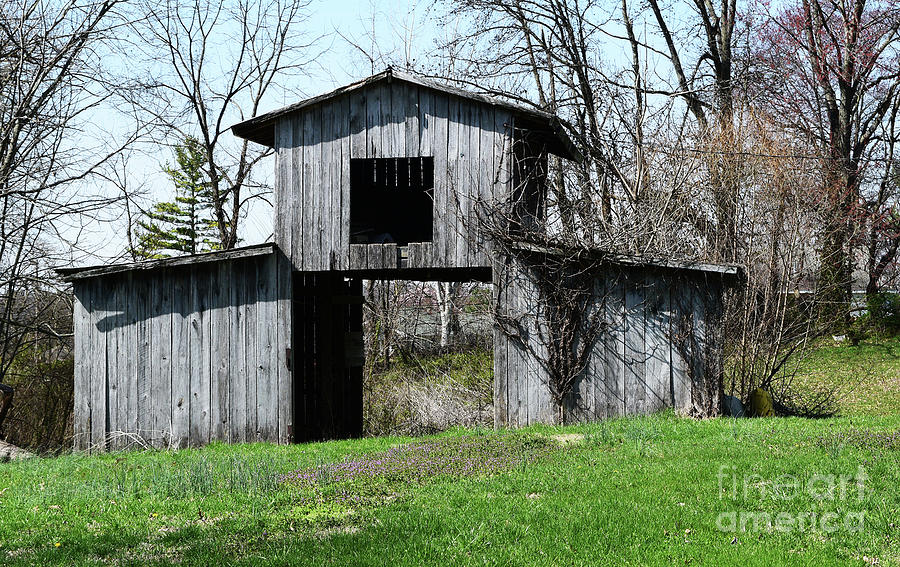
<point>392,177</point>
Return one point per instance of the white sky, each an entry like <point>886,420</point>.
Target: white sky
<point>105,240</point>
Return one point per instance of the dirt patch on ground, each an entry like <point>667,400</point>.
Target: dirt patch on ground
<point>568,438</point>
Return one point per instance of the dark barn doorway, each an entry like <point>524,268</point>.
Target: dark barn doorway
<point>328,351</point>
<point>391,200</point>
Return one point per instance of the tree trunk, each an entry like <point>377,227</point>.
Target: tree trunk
<point>447,293</point>
<point>6,398</point>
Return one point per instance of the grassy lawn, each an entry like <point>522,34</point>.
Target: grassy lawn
<point>634,491</point>
<point>866,376</point>
<point>658,490</point>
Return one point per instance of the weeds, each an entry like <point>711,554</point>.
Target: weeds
<point>426,394</point>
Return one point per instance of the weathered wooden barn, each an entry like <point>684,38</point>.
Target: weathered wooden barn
<point>658,342</point>
<point>381,179</point>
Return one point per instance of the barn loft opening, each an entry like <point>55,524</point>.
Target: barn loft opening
<point>391,200</point>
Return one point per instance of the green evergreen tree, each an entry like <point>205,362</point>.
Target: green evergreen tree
<point>186,225</point>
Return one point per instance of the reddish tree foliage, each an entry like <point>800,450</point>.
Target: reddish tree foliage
<point>832,74</point>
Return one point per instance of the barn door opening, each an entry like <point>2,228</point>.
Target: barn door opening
<point>328,357</point>
<point>391,200</point>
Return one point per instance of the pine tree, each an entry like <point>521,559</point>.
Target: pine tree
<point>186,225</point>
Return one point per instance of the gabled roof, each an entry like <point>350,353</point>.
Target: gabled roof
<point>261,129</point>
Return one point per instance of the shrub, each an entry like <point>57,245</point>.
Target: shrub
<point>427,393</point>
<point>40,418</point>
<point>884,312</point>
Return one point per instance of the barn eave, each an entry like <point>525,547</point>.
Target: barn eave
<point>87,272</point>
<point>548,127</point>
<point>732,273</point>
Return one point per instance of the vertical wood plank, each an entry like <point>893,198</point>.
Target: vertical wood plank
<point>341,237</point>
<point>440,137</point>
<point>681,330</point>
<point>514,378</point>
<point>312,188</point>
<point>284,346</point>
<point>427,254</point>
<point>299,204</point>
<point>518,380</point>
<point>308,154</point>
<point>110,327</point>
<point>450,223</point>
<point>498,293</point>
<point>358,117</point>
<point>414,255</point>
<point>266,381</point>
<point>501,156</point>
<point>394,135</point>
<point>374,100</point>
<point>283,206</point>
<point>82,379</point>
<point>389,256</point>
<point>701,392</point>
<point>463,185</point>
<point>358,256</point>
<point>520,298</point>
<point>250,330</point>
<point>658,367</point>
<point>200,350</point>
<point>237,376</point>
<point>546,411</point>
<point>635,352</point>
<point>411,120</point>
<point>473,183</point>
<point>99,383</point>
<point>132,305</point>
<point>483,202</point>
<point>425,122</point>
<point>161,363</point>
<point>426,148</point>
<point>327,186</point>
<point>220,336</point>
<point>143,299</point>
<point>595,392</point>
<point>615,343</point>
<point>181,359</point>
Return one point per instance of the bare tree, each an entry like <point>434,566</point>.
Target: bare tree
<point>680,159</point>
<point>52,83</point>
<point>213,63</point>
<point>832,78</point>
<point>679,88</point>
<point>882,206</point>
<point>447,295</point>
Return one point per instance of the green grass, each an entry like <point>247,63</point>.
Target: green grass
<point>867,377</point>
<point>638,491</point>
<point>631,491</point>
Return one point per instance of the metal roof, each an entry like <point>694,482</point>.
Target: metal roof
<point>261,129</point>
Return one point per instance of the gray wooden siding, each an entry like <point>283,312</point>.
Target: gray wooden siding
<point>183,356</point>
<point>657,349</point>
<point>470,143</point>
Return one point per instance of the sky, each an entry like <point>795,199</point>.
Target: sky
<point>378,26</point>
<point>390,30</point>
